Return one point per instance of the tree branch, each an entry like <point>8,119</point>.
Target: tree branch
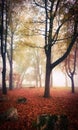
<point>57,31</point>
<point>57,5</point>
<point>38,4</point>
<point>66,53</point>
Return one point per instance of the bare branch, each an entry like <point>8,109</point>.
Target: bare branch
<point>57,31</point>
<point>57,5</point>
<point>66,53</point>
<point>38,4</point>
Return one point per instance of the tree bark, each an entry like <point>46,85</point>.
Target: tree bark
<point>48,72</point>
<point>72,83</point>
<point>11,64</point>
<point>3,50</point>
<point>4,89</point>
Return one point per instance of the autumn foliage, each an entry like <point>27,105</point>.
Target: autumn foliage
<point>62,101</point>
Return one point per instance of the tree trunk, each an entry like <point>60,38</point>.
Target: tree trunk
<point>4,89</point>
<point>11,78</point>
<point>51,79</point>
<point>3,50</point>
<point>72,83</point>
<point>48,72</point>
<point>40,83</point>
<point>11,64</point>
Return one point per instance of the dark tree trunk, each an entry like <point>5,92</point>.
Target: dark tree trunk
<point>72,84</point>
<point>3,50</point>
<point>4,89</point>
<point>48,72</point>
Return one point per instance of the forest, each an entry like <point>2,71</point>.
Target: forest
<point>38,64</point>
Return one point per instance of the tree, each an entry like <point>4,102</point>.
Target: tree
<point>20,52</point>
<point>53,9</point>
<point>13,22</point>
<point>38,65</point>
<point>70,66</point>
<point>5,15</point>
<point>3,42</point>
<point>27,37</point>
<point>11,30</point>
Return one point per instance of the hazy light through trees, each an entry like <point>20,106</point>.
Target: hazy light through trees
<point>28,48</point>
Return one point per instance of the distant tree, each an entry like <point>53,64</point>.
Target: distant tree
<point>53,9</point>
<point>28,36</point>
<point>38,67</point>
<point>12,27</point>
<point>10,50</point>
<point>70,65</point>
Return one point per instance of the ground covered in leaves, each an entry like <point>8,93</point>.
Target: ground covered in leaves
<point>62,101</point>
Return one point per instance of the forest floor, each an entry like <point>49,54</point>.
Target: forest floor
<point>62,101</point>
